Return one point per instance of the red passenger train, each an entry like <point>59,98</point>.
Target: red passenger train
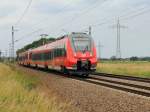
<point>74,53</point>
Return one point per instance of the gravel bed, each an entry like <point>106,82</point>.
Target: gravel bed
<point>92,98</point>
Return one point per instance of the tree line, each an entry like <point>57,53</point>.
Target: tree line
<point>36,44</point>
<point>133,58</point>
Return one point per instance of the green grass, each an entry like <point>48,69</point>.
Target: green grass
<point>20,93</point>
<point>137,68</point>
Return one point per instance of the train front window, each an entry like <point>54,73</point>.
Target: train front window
<point>82,44</point>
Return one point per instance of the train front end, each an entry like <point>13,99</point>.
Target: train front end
<point>83,59</point>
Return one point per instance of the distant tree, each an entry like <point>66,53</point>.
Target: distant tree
<point>0,55</point>
<point>145,59</point>
<point>134,58</point>
<point>113,58</point>
<point>35,44</point>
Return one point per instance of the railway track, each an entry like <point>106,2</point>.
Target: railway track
<point>135,85</point>
<point>123,77</point>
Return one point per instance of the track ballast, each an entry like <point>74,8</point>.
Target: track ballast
<point>136,85</point>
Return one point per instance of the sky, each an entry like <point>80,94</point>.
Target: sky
<point>59,17</point>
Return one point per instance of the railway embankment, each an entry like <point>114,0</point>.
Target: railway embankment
<point>21,91</point>
<point>88,97</point>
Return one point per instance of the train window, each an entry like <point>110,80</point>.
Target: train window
<point>58,52</point>
<point>64,52</point>
<point>38,57</point>
<point>81,42</point>
<point>33,56</point>
<point>55,53</point>
<point>41,56</point>
<point>30,55</point>
<point>50,55</point>
<point>46,56</point>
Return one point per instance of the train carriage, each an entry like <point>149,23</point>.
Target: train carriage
<point>74,53</point>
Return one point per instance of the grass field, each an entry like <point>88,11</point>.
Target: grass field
<point>19,93</point>
<point>139,68</point>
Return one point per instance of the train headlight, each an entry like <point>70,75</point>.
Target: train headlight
<point>91,54</point>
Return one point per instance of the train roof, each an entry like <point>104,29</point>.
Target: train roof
<point>79,34</point>
<point>49,45</point>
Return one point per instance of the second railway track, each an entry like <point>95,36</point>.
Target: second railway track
<point>123,77</point>
<point>136,85</point>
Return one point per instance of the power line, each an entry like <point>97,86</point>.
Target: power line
<point>84,12</point>
<point>38,23</point>
<point>81,14</point>
<point>90,9</point>
<point>12,49</point>
<point>99,50</point>
<point>106,21</point>
<point>132,12</point>
<point>136,14</point>
<point>127,16</point>
<point>27,35</point>
<point>13,30</point>
<point>24,13</point>
<point>59,12</point>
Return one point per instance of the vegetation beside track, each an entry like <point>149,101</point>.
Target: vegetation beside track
<point>131,68</point>
<point>20,93</point>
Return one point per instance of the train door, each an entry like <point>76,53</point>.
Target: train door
<point>52,56</point>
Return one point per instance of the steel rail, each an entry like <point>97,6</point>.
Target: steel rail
<point>123,77</point>
<point>122,83</point>
<point>126,89</point>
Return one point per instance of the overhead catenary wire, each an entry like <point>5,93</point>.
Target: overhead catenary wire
<point>126,16</point>
<point>85,11</point>
<point>38,23</point>
<point>81,14</point>
<point>134,11</point>
<point>24,13</point>
<point>59,12</point>
<point>66,6</point>
<point>123,17</point>
<point>29,34</point>
<point>136,14</point>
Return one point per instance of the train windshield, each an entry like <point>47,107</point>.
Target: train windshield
<point>81,43</point>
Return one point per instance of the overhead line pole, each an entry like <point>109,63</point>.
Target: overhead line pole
<point>13,44</point>
<point>99,50</point>
<point>118,47</point>
<point>12,49</point>
<point>90,30</point>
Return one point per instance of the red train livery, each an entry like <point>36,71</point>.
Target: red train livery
<point>74,53</point>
